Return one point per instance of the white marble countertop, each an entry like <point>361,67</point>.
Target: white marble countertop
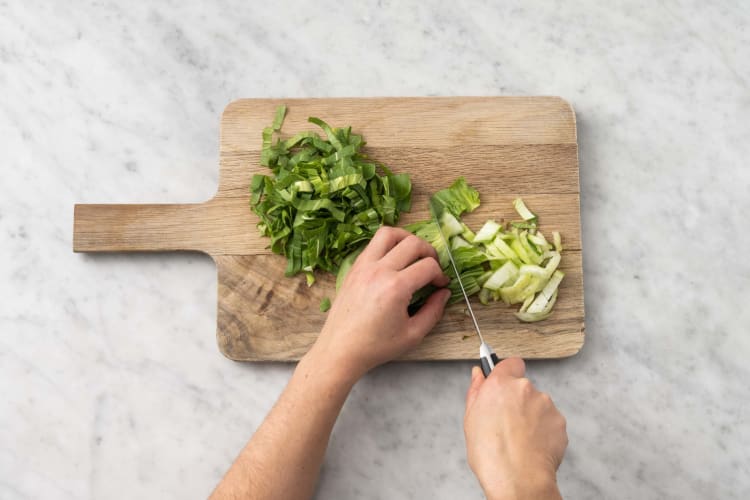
<point>112,384</point>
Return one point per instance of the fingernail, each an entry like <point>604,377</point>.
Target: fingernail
<point>446,296</point>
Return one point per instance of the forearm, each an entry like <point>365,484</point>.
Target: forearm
<point>283,458</point>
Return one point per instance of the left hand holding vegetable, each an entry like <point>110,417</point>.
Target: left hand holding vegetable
<point>369,323</point>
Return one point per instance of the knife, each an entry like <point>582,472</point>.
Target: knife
<point>487,357</point>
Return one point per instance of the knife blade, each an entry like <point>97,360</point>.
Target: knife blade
<point>487,357</point>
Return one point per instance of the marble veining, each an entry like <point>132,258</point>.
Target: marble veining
<point>112,385</point>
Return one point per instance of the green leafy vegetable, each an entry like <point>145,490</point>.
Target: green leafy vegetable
<point>447,205</point>
<point>324,197</point>
<point>325,304</point>
<point>515,264</point>
<point>523,211</point>
<point>457,199</point>
<point>347,264</point>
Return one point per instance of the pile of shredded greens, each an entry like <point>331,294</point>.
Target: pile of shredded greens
<point>515,264</point>
<point>325,198</point>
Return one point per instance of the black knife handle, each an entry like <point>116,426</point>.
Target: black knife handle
<point>486,364</point>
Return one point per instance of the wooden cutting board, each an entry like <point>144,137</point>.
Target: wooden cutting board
<point>504,146</point>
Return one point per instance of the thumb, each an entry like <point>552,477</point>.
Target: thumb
<point>510,367</point>
<point>429,314</point>
<point>476,382</point>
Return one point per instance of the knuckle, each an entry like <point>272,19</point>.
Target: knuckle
<point>397,281</point>
<point>385,275</point>
<point>358,266</point>
<point>430,251</point>
<point>497,382</point>
<point>564,435</point>
<point>412,240</point>
<point>525,385</point>
<point>420,242</point>
<point>417,244</point>
<point>428,267</point>
<point>355,272</point>
<point>413,336</point>
<point>435,267</point>
<point>365,268</point>
<point>384,231</point>
<point>376,274</point>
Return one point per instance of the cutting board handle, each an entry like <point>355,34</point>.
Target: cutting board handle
<point>140,228</point>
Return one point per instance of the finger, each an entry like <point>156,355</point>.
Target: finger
<point>423,272</point>
<point>407,251</point>
<point>510,367</point>
<point>385,238</point>
<point>429,314</point>
<point>476,382</point>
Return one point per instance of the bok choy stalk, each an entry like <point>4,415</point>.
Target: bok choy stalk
<point>515,264</point>
<point>448,205</point>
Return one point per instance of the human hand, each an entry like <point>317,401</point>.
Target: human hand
<point>368,323</point>
<point>515,436</point>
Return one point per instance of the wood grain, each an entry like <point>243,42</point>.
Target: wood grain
<point>504,146</point>
<point>250,286</point>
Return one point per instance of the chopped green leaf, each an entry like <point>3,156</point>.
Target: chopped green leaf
<point>346,265</point>
<point>517,266</point>
<point>278,118</point>
<point>325,304</point>
<point>557,241</point>
<point>450,225</point>
<point>523,210</point>
<point>488,232</point>
<point>457,199</point>
<point>323,198</point>
<point>507,273</point>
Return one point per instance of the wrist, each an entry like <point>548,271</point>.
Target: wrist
<point>322,363</point>
<point>522,486</point>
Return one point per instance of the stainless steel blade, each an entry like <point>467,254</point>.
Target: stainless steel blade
<point>455,270</point>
